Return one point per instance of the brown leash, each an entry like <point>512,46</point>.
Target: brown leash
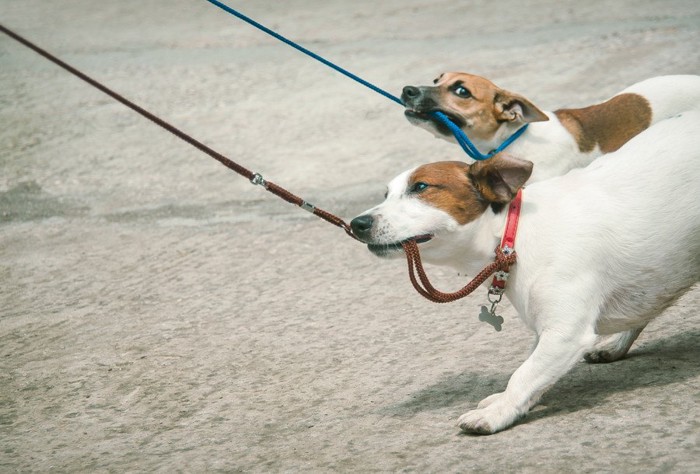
<point>502,263</point>
<point>410,247</point>
<point>254,178</point>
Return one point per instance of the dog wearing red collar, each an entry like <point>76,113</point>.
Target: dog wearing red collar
<point>600,251</point>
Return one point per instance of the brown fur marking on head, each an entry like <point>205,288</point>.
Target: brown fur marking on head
<point>477,110</point>
<point>608,125</point>
<point>487,107</point>
<point>449,189</point>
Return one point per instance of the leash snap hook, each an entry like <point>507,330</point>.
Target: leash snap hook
<point>495,295</point>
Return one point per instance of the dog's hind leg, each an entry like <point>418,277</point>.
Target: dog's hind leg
<point>613,347</point>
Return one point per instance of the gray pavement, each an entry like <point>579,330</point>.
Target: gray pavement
<point>158,313</point>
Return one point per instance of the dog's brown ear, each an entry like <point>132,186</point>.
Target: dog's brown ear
<point>499,178</point>
<point>510,107</point>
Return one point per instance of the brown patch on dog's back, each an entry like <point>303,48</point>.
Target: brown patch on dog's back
<point>608,125</point>
<point>449,189</point>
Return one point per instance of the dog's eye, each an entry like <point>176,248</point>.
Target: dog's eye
<point>419,187</point>
<point>462,92</point>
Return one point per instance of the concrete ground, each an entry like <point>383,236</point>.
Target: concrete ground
<point>158,313</point>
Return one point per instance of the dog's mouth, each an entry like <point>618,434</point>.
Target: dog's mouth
<point>383,250</point>
<point>429,116</point>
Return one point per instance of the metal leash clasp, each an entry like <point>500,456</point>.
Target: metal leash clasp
<point>494,298</point>
<point>258,180</point>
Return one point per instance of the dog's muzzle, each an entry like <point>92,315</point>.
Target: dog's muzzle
<point>421,105</point>
<point>417,108</point>
<point>362,228</point>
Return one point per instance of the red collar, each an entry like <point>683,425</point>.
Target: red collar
<point>498,285</point>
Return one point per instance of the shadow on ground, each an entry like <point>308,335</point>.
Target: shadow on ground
<point>661,362</point>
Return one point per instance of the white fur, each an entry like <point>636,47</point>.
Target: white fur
<point>554,150</point>
<point>600,250</point>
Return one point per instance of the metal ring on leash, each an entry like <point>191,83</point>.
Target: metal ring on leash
<point>258,180</point>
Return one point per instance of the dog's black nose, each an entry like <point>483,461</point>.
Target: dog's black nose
<point>362,225</point>
<point>410,93</point>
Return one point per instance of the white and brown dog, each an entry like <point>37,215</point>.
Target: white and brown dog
<point>600,250</point>
<point>555,141</point>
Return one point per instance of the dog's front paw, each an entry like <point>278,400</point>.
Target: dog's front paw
<point>475,422</point>
<point>489,420</point>
<point>489,400</point>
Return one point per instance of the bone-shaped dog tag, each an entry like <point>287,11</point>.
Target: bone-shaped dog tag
<point>490,317</point>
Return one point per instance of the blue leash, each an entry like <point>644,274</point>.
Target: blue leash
<point>466,144</point>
